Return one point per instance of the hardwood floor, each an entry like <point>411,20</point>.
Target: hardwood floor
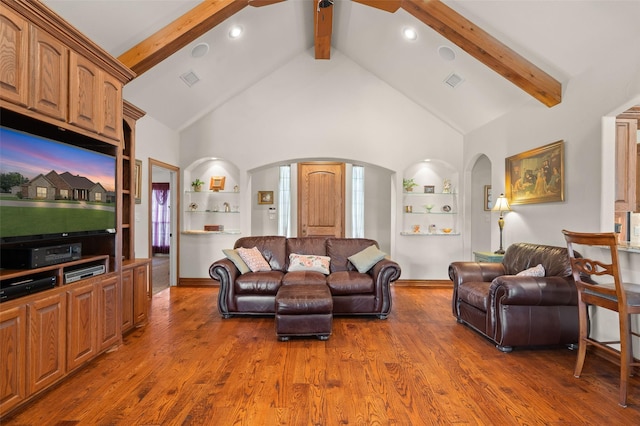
<point>419,367</point>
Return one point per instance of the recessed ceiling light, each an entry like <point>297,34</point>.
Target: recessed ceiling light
<point>199,50</point>
<point>446,53</point>
<point>235,31</point>
<point>409,33</point>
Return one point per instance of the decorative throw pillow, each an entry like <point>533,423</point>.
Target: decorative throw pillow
<point>536,271</point>
<point>254,259</point>
<point>233,256</point>
<point>309,262</point>
<point>365,259</point>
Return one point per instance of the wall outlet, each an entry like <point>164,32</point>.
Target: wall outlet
<point>636,231</point>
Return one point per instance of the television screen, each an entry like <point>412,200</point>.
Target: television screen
<point>51,189</point>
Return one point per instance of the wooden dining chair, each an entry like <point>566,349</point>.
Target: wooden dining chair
<point>599,283</point>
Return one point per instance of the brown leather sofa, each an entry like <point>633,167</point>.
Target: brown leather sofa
<point>353,293</point>
<point>513,310</point>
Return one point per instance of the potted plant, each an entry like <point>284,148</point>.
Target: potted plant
<point>197,185</point>
<point>408,184</point>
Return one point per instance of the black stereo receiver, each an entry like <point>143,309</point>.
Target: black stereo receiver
<point>29,258</point>
<point>13,290</point>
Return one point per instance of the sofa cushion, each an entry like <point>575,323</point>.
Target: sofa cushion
<point>309,262</point>
<point>273,249</point>
<point>521,256</point>
<point>475,293</point>
<point>339,250</point>
<point>259,282</point>
<point>350,282</point>
<point>233,256</point>
<point>254,259</point>
<point>365,259</point>
<point>304,277</point>
<point>536,271</point>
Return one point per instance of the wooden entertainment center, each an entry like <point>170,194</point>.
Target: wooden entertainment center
<point>52,76</point>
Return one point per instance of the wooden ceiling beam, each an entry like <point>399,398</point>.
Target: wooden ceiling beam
<point>323,27</point>
<point>386,5</point>
<point>487,49</point>
<point>173,37</point>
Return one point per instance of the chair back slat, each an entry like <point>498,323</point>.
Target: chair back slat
<point>588,271</point>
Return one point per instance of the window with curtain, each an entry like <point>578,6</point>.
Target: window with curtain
<point>284,203</point>
<point>357,195</point>
<point>160,219</point>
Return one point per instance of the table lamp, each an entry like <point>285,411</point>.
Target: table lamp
<point>501,205</point>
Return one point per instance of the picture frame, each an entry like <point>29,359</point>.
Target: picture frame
<point>217,183</point>
<point>265,197</point>
<point>536,176</point>
<point>488,199</point>
<point>137,182</point>
<point>429,189</point>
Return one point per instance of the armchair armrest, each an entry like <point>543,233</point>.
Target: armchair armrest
<point>532,291</point>
<point>460,272</point>
<point>225,272</point>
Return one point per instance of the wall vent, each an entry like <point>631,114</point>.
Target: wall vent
<point>453,80</point>
<point>190,78</point>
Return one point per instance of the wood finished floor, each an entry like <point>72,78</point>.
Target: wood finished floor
<point>419,367</point>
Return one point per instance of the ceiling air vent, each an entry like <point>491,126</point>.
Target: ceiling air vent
<point>453,80</point>
<point>190,78</point>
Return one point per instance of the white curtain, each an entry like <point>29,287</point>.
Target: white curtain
<point>284,203</point>
<point>357,210</point>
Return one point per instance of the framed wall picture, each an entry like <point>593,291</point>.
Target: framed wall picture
<point>137,182</point>
<point>488,200</point>
<point>217,183</point>
<point>536,176</point>
<point>265,197</point>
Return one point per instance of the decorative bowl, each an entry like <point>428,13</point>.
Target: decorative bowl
<point>446,230</point>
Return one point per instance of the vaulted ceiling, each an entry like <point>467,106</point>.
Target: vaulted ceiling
<point>506,53</point>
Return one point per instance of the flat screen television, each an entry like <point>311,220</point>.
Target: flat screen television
<point>51,189</point>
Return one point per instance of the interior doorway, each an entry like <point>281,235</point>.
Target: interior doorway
<point>164,208</point>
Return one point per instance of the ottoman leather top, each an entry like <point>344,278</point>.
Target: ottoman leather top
<point>304,299</point>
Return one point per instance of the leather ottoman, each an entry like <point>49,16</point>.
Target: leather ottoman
<point>304,310</point>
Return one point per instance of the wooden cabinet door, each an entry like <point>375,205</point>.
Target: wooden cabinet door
<point>626,147</point>
<point>14,56</point>
<point>13,356</point>
<point>47,341</point>
<point>111,106</point>
<point>81,325</point>
<point>84,99</point>
<point>49,61</point>
<point>321,199</point>
<point>140,302</point>
<point>109,320</point>
<point>127,300</point>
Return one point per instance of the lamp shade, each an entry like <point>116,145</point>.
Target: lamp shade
<point>501,205</point>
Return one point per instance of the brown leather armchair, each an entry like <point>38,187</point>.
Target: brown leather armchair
<point>513,310</point>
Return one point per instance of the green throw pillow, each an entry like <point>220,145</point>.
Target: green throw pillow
<point>365,259</point>
<point>233,256</point>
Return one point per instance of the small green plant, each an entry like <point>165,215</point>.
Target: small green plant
<point>408,184</point>
<point>197,184</point>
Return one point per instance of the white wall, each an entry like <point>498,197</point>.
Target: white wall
<point>153,140</point>
<point>312,109</point>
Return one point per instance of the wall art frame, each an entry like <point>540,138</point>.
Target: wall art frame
<point>217,183</point>
<point>488,198</point>
<point>265,197</point>
<point>536,176</point>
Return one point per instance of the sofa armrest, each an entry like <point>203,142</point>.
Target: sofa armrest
<point>532,291</point>
<point>384,273</point>
<point>460,272</point>
<point>225,272</point>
